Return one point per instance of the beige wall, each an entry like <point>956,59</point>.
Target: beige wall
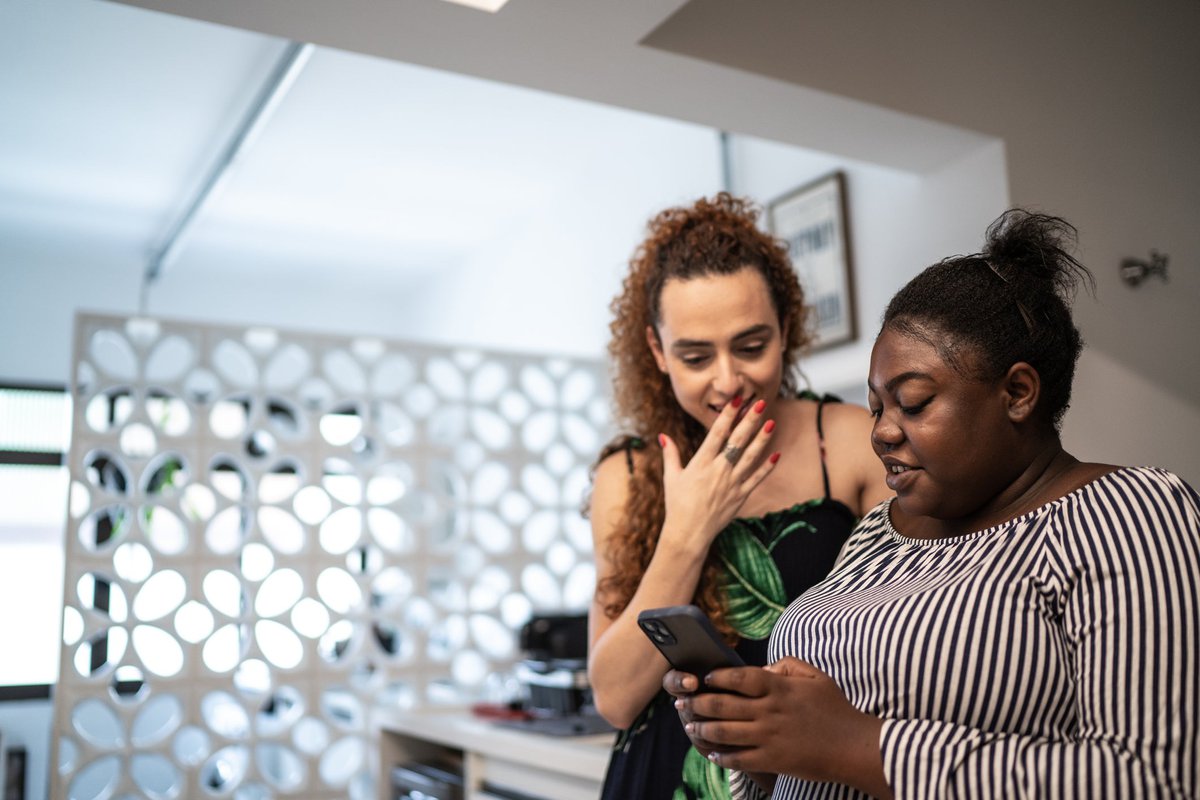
<point>1138,423</point>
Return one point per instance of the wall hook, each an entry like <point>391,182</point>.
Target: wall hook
<point>1134,270</point>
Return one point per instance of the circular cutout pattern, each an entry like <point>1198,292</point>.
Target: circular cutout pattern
<point>378,510</point>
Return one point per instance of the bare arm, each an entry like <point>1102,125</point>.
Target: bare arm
<point>624,668</point>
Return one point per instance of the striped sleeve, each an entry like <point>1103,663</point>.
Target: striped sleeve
<point>743,787</point>
<point>1126,566</point>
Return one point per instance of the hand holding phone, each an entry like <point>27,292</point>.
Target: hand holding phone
<point>688,640</point>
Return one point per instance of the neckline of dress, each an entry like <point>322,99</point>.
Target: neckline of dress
<point>1008,523</point>
<point>816,502</point>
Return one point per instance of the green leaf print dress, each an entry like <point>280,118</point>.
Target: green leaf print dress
<point>768,561</point>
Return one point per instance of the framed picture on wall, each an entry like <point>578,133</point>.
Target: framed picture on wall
<point>813,222</point>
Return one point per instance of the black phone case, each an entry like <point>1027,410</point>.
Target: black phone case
<point>688,639</point>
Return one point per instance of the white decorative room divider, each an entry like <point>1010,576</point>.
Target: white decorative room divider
<point>269,532</point>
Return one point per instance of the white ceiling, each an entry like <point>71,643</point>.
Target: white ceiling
<point>113,115</point>
<point>597,51</point>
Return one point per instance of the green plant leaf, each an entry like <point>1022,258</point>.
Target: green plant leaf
<point>626,737</point>
<point>702,779</point>
<point>753,589</point>
<point>788,530</point>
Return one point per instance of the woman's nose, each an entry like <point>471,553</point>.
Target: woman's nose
<point>727,380</point>
<point>885,434</point>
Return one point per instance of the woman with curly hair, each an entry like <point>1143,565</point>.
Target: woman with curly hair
<point>743,496</point>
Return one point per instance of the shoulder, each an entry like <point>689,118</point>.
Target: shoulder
<point>837,418</point>
<point>839,421</point>
<point>847,431</point>
<point>616,463</point>
<point>845,415</point>
<point>611,477</point>
<point>847,428</point>
<point>1131,536</point>
<point>613,468</point>
<point>625,443</point>
<point>1130,509</point>
<point>620,455</point>
<point>1139,492</point>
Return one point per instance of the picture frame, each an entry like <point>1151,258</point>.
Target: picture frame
<point>814,223</point>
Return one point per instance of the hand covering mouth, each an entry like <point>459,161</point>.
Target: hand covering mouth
<point>746,403</point>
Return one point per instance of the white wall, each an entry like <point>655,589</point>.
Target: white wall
<point>546,287</point>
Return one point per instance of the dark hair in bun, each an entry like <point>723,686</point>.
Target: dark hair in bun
<point>1009,303</point>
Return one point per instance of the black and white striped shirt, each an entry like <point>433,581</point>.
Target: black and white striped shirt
<point>1056,655</point>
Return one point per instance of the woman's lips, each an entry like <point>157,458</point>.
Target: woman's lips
<point>741,411</point>
<point>899,476</point>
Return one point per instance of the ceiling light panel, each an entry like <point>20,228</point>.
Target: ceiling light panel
<point>483,5</point>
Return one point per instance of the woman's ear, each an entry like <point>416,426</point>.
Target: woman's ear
<point>656,348</point>
<point>1023,388</point>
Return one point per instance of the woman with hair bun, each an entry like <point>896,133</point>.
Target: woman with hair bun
<point>1015,622</point>
<point>732,489</point>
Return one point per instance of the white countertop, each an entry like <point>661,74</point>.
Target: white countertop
<point>582,756</point>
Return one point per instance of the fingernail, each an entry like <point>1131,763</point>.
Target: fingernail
<point>774,459</point>
<point>689,727</point>
<point>759,406</point>
<point>736,402</point>
<point>713,757</point>
<point>662,440</point>
<point>770,426</point>
<point>679,705</point>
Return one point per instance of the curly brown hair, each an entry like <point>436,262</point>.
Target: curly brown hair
<point>717,236</point>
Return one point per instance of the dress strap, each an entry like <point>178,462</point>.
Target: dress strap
<point>634,443</point>
<point>625,443</point>
<point>821,401</point>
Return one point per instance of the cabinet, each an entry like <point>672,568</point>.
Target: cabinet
<point>496,762</point>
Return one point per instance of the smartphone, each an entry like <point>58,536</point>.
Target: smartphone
<point>688,639</point>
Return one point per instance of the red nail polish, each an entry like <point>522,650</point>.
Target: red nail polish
<point>662,440</point>
<point>759,406</point>
<point>736,402</point>
<point>774,459</point>
<point>770,426</point>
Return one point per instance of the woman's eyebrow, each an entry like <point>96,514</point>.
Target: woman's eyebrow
<point>903,377</point>
<point>688,344</point>
<point>756,330</point>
